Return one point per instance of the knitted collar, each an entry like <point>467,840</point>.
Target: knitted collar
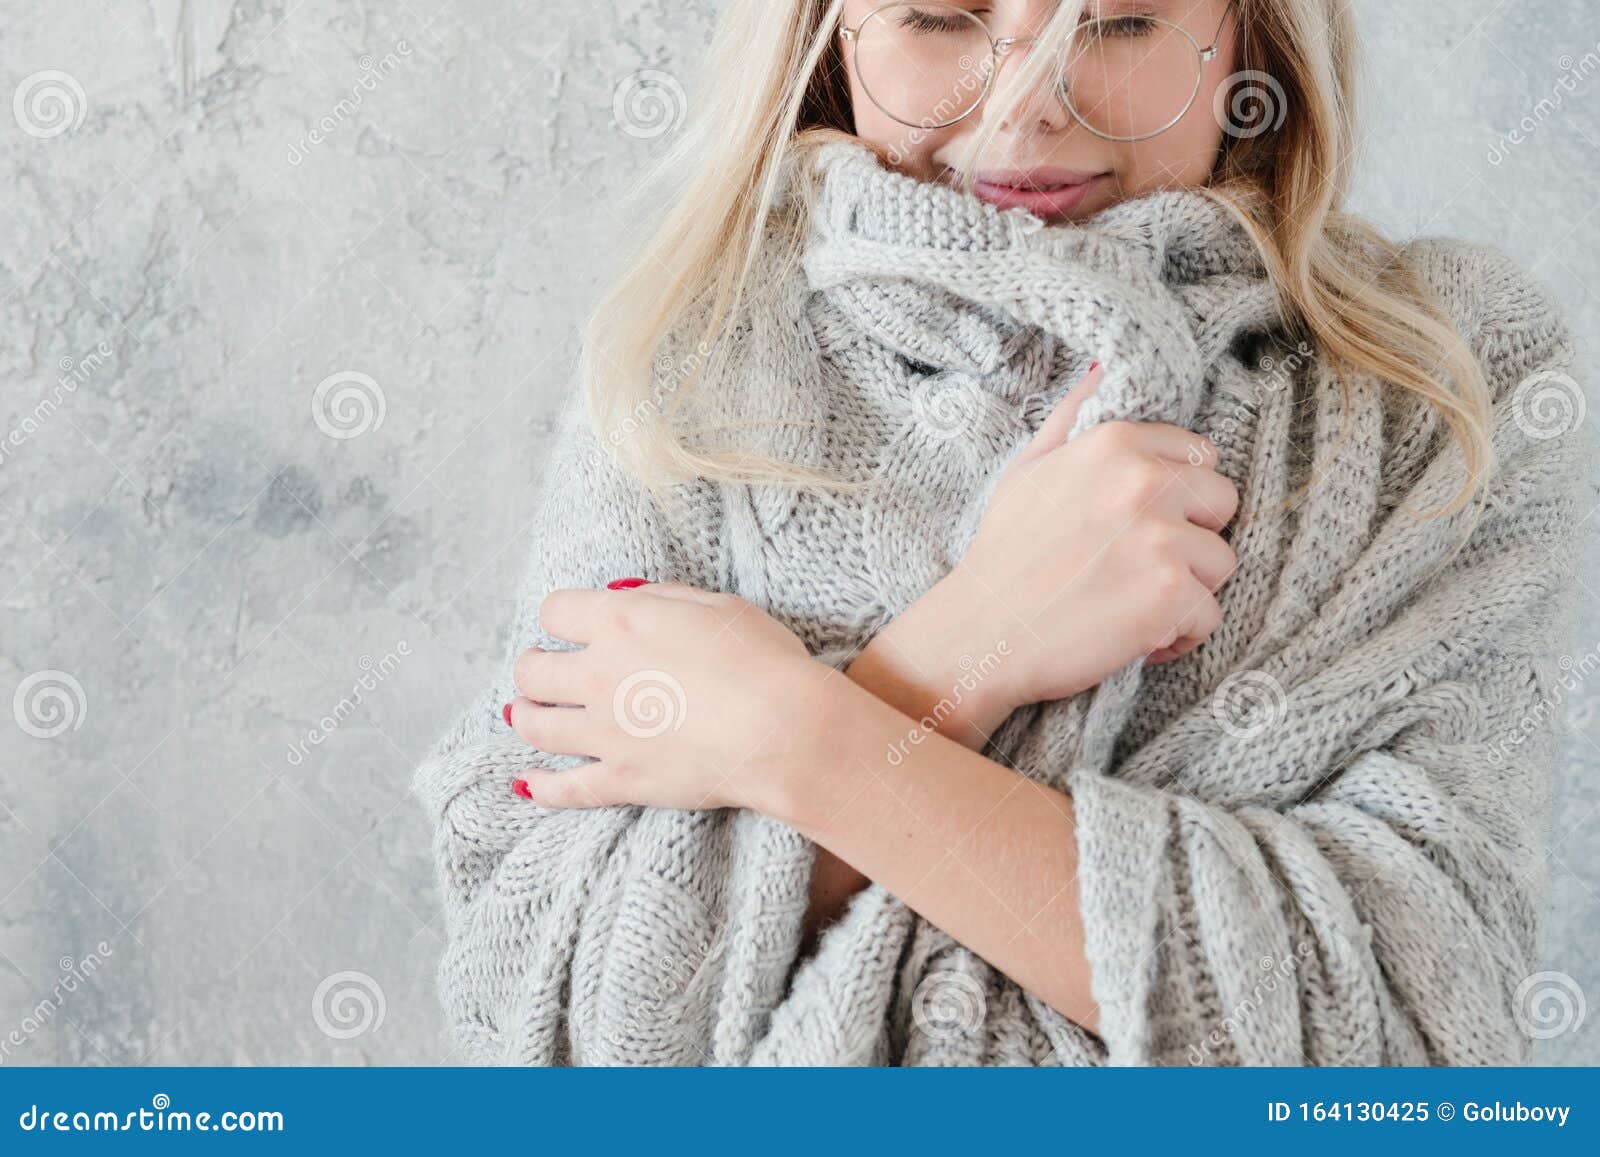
<point>1159,288</point>
<point>1183,232</point>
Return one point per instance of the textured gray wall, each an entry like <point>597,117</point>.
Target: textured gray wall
<point>236,604</point>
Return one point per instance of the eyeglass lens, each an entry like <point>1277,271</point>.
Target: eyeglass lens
<point>929,65</point>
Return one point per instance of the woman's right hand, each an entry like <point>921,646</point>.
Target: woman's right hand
<point>1091,553</point>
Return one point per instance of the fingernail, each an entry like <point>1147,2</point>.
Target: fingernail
<point>626,584</point>
<point>1093,366</point>
<point>521,788</point>
<point>506,714</point>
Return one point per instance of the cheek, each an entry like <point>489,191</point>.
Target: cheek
<point>1183,156</point>
<point>910,150</point>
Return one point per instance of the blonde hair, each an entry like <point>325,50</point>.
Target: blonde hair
<point>776,86</point>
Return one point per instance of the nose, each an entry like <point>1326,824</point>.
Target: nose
<point>1040,109</point>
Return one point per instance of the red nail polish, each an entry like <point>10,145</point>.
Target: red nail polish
<point>506,714</point>
<point>1093,366</point>
<point>626,584</point>
<point>521,788</point>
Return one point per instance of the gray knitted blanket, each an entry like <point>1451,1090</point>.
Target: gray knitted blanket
<point>1316,839</point>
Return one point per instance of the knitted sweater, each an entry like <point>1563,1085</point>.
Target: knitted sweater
<point>1315,839</point>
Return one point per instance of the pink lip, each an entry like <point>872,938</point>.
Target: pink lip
<point>1047,193</point>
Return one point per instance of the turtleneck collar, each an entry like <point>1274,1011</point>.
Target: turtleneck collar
<point>859,196</point>
<point>1158,287</point>
<point>1185,233</point>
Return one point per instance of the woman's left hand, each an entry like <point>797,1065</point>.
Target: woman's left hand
<point>686,698</point>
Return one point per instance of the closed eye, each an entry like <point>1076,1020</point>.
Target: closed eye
<point>919,20</point>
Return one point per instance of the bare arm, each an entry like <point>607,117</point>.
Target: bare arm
<point>901,667</point>
<point>981,852</point>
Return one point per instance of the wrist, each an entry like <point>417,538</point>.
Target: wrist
<point>933,665</point>
<point>828,725</point>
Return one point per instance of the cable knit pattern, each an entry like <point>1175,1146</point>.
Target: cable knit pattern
<point>1316,839</point>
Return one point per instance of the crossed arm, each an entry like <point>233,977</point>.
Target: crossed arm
<point>973,847</point>
<point>980,851</point>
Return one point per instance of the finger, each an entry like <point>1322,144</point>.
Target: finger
<point>575,615</point>
<point>587,786</point>
<point>1208,499</point>
<point>1058,424</point>
<point>1211,560</point>
<point>1198,617</point>
<point>551,677</point>
<point>682,592</point>
<point>555,730</point>
<point>1177,651</point>
<point>1164,440</point>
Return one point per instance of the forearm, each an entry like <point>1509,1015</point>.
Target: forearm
<point>979,851</point>
<point>901,668</point>
<point>923,667</point>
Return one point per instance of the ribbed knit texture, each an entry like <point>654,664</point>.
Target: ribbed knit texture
<point>1316,839</point>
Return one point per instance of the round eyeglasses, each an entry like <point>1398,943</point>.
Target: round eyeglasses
<point>1124,78</point>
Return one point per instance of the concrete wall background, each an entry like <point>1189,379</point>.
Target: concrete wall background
<point>198,563</point>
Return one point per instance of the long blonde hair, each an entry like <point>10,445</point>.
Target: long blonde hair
<point>776,86</point>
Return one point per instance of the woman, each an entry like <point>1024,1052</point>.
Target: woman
<point>892,702</point>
